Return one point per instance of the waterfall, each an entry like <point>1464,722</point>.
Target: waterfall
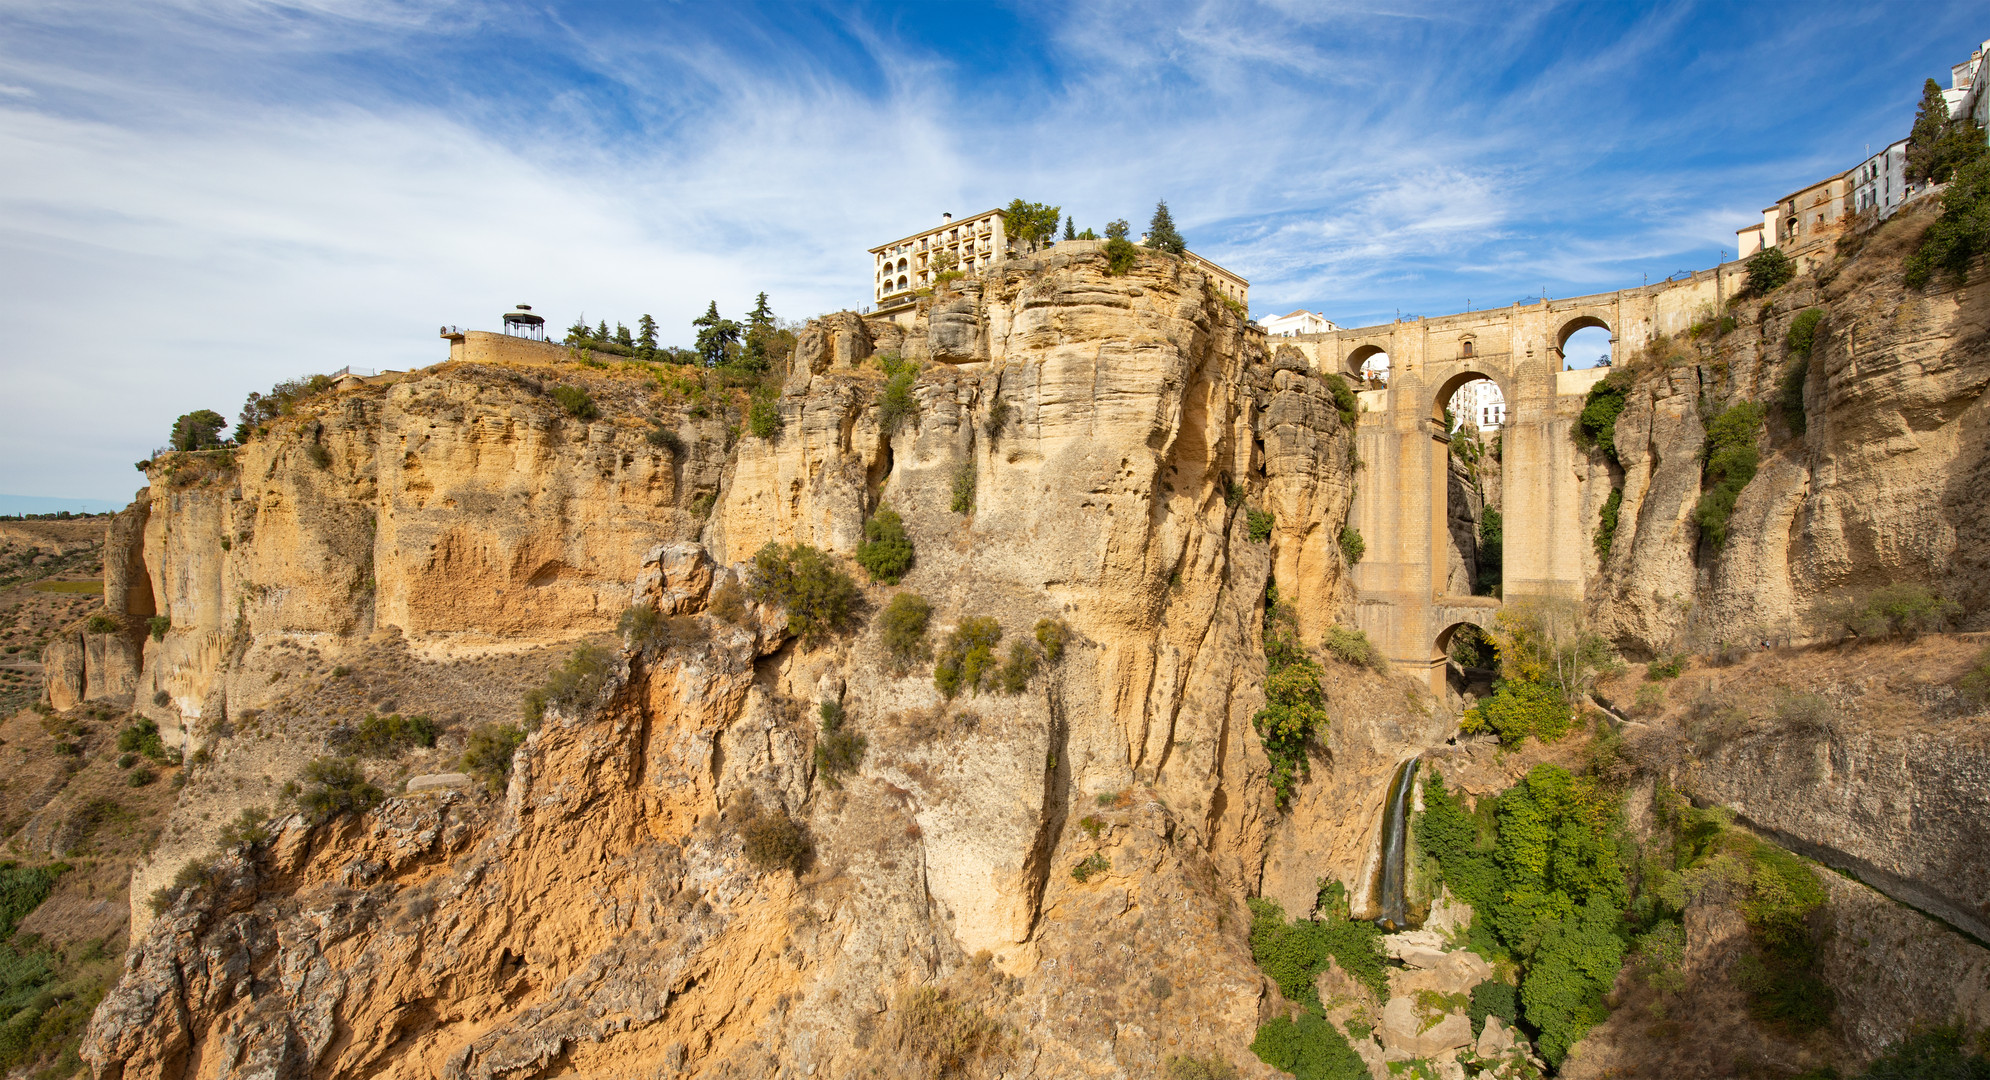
<point>1395,848</point>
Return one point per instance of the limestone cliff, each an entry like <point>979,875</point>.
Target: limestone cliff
<point>600,917</point>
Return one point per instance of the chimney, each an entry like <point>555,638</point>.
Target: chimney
<point>946,218</point>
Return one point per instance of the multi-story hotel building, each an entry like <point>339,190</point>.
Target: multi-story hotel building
<point>971,245</point>
<point>976,243</point>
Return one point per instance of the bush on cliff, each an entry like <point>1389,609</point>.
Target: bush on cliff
<point>1310,1048</point>
<point>1295,706</point>
<point>1051,637</point>
<point>903,628</point>
<point>282,400</point>
<point>1350,645</point>
<point>1903,609</point>
<point>1731,461</point>
<point>896,403</point>
<point>1596,428</point>
<point>1606,522</point>
<point>1121,256</point>
<point>838,750</point>
<point>1345,403</point>
<point>334,787</point>
<point>572,684</point>
<point>1258,525</point>
<point>763,416</point>
<point>386,736</point>
<point>967,659</point>
<point>886,552</point>
<point>1961,233</point>
<point>820,599</point>
<point>576,401</point>
<point>487,753</point>
<point>774,841</point>
<point>1769,270</point>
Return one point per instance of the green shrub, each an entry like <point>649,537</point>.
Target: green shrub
<point>1493,998</point>
<point>1345,403</point>
<point>896,403</point>
<point>1769,270</point>
<point>1731,463</point>
<point>1295,706</point>
<point>1352,546</point>
<point>1596,428</point>
<point>1802,335</point>
<point>1350,645</point>
<point>837,751</point>
<point>968,656</point>
<point>141,777</point>
<point>1961,233</point>
<point>1089,867</point>
<point>1519,709</point>
<point>336,786</point>
<point>1258,525</point>
<point>1666,667</point>
<point>1292,953</point>
<point>1571,971</point>
<point>102,623</point>
<point>387,736</point>
<point>1606,525</point>
<point>1790,395</point>
<point>1311,1048</point>
<point>886,552</point>
<point>1905,609</point>
<point>820,599</point>
<point>1021,666</point>
<point>775,841</point>
<point>763,416</point>
<point>963,502</point>
<point>142,737</point>
<point>999,412</point>
<point>487,753</point>
<point>250,827</point>
<point>903,628</point>
<point>1122,255</point>
<point>573,684</point>
<point>157,625</point>
<point>576,402</point>
<point>1051,636</point>
<point>22,889</point>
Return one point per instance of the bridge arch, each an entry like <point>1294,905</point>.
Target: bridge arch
<point>1361,354</point>
<point>1580,322</point>
<point>1449,388</point>
<point>1481,619</point>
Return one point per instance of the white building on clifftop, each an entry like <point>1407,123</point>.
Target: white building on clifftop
<point>915,262</point>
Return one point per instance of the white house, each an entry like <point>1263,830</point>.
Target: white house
<point>1297,322</point>
<point>1879,184</point>
<point>1480,402</point>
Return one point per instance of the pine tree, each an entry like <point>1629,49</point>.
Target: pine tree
<point>578,333</point>
<point>601,332</point>
<point>1161,234</point>
<point>1070,229</point>
<point>759,327</point>
<point>762,316</point>
<point>646,332</point>
<point>1924,143</point>
<point>622,336</point>
<point>716,336</point>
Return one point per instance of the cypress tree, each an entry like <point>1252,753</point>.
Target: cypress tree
<point>1924,143</point>
<point>1070,229</point>
<point>1161,234</point>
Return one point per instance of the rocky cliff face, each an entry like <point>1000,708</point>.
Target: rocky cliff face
<point>1885,485</point>
<point>600,918</point>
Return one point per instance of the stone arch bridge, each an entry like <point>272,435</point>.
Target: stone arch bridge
<point>1409,600</point>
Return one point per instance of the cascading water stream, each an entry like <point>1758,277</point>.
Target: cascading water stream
<point>1395,848</point>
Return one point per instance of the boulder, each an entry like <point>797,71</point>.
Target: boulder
<point>1402,1030</point>
<point>1417,948</point>
<point>436,781</point>
<point>1448,916</point>
<point>1495,1039</point>
<point>1453,973</point>
<point>676,576</point>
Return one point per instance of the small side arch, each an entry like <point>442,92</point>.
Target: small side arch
<point>1580,322</point>
<point>1351,367</point>
<point>1451,385</point>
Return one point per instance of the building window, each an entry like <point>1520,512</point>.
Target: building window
<point>1465,349</point>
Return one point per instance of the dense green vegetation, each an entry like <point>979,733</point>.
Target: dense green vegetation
<point>1291,954</point>
<point>1769,270</point>
<point>198,430</point>
<point>1940,146</point>
<point>487,753</point>
<point>886,552</point>
<point>577,402</point>
<point>1352,546</point>
<point>1350,645</point>
<point>1345,403</point>
<point>1802,334</point>
<point>963,494</point>
<point>1903,609</point>
<point>1597,426</point>
<point>1936,1054</point>
<point>763,415</point>
<point>1295,706</point>
<point>1546,660</point>
<point>1258,525</point>
<point>46,993</point>
<point>282,400</point>
<point>1961,233</point>
<point>1731,463</point>
<point>820,598</point>
<point>1606,523</point>
<point>386,736</point>
<point>334,787</point>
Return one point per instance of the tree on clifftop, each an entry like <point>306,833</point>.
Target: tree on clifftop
<point>1117,229</point>
<point>646,333</point>
<point>1070,228</point>
<point>1031,223</point>
<point>198,430</point>
<point>717,336</point>
<point>1938,146</point>
<point>759,328</point>
<point>1161,234</point>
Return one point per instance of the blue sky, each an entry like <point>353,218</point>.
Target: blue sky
<point>200,198</point>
